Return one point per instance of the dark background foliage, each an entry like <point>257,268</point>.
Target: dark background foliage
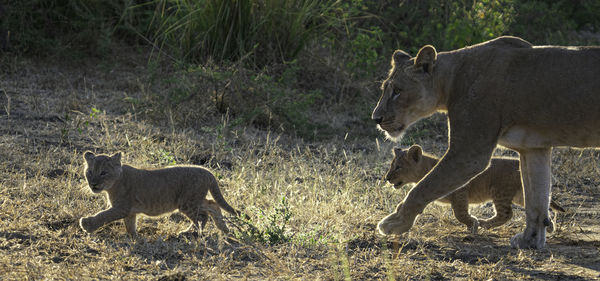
<point>275,63</point>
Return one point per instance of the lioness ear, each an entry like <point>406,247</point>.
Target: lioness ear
<point>116,158</point>
<point>426,57</point>
<point>399,57</point>
<point>88,156</point>
<point>415,152</point>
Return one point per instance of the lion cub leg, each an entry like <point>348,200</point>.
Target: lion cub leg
<point>503,213</point>
<point>90,224</point>
<point>199,214</point>
<point>216,215</point>
<point>460,205</point>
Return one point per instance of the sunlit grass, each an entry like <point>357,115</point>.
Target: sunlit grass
<point>334,196</point>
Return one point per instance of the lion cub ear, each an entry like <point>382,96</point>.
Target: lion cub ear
<point>426,57</point>
<point>116,158</point>
<point>89,156</point>
<point>397,151</point>
<point>415,152</point>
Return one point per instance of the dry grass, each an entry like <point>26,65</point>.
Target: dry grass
<point>334,190</point>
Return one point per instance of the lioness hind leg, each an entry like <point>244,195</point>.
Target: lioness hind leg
<point>503,213</point>
<point>536,177</point>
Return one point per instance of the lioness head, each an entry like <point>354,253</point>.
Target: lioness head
<point>102,171</point>
<point>407,92</point>
<point>407,167</point>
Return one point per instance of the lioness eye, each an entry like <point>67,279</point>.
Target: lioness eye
<point>397,91</point>
<point>103,173</point>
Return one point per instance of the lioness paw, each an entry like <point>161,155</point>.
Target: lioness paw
<point>396,223</point>
<point>87,224</point>
<point>524,241</point>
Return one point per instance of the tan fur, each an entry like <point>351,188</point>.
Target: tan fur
<point>132,191</point>
<point>501,92</point>
<point>500,183</point>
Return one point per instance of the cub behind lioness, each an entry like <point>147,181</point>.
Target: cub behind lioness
<point>152,192</point>
<point>500,183</point>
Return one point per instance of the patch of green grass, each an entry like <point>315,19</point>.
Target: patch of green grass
<point>270,228</point>
<point>259,32</point>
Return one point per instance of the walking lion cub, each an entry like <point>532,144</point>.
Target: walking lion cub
<point>500,183</point>
<point>153,192</point>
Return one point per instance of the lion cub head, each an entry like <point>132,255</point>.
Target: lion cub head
<point>408,166</point>
<point>407,92</point>
<point>102,171</point>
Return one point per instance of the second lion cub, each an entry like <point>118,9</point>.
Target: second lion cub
<point>153,192</point>
<point>500,183</point>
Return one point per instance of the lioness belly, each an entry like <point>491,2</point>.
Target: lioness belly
<point>521,137</point>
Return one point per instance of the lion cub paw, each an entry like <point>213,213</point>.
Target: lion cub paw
<point>87,224</point>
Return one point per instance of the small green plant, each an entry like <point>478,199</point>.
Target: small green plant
<point>272,227</point>
<point>94,112</point>
<point>163,157</point>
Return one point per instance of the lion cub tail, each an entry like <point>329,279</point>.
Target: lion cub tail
<point>215,191</point>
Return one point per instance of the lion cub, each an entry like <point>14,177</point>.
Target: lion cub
<point>152,192</point>
<point>500,183</point>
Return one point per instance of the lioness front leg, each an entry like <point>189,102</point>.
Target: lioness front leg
<point>90,224</point>
<point>462,166</point>
<point>536,177</point>
<point>130,224</point>
<point>467,156</point>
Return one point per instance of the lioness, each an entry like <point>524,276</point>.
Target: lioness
<point>501,92</point>
<point>500,183</point>
<point>152,192</point>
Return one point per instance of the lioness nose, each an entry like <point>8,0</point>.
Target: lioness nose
<point>378,120</point>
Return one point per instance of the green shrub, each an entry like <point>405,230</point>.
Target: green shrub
<point>260,31</point>
<point>556,22</point>
<point>270,228</point>
<point>43,27</point>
